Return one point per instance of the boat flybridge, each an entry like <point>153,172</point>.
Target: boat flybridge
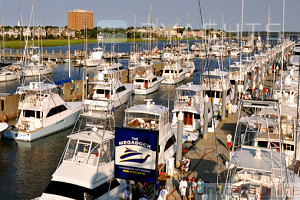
<point>155,117</point>
<point>272,126</point>
<point>107,92</point>
<point>86,168</point>
<point>214,82</point>
<point>258,163</point>
<point>173,72</point>
<point>42,112</point>
<point>189,101</point>
<point>146,82</point>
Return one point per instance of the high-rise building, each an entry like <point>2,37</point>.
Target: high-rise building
<point>80,19</point>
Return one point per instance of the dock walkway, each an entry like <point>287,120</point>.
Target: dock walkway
<point>203,156</point>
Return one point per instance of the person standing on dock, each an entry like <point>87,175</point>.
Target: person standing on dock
<point>229,141</point>
<point>182,188</point>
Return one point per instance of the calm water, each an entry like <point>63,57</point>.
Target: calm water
<point>26,168</point>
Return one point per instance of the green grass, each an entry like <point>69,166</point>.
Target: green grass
<point>17,44</point>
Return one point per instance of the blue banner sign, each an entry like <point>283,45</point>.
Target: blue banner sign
<point>136,154</point>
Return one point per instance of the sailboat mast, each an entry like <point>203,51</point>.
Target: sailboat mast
<point>134,34</point>
<point>282,53</point>
<point>268,25</point>
<point>241,37</point>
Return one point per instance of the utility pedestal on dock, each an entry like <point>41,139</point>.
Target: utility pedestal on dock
<point>179,139</point>
<point>205,121</point>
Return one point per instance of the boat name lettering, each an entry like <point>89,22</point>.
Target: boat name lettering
<point>129,142</point>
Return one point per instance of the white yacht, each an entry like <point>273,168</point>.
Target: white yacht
<point>42,112</point>
<point>189,100</point>
<point>36,69</point>
<point>214,82</point>
<point>107,92</point>
<point>155,117</point>
<point>9,73</point>
<point>173,72</point>
<point>86,169</point>
<point>95,59</point>
<point>235,51</point>
<point>146,82</point>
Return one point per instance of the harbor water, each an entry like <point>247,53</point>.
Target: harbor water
<point>26,168</point>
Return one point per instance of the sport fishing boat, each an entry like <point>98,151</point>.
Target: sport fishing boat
<point>189,101</point>
<point>42,112</point>
<point>95,59</point>
<point>214,82</point>
<point>173,72</point>
<point>86,168</point>
<point>155,117</point>
<point>107,92</point>
<point>146,82</point>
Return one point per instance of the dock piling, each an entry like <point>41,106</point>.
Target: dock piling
<point>179,139</point>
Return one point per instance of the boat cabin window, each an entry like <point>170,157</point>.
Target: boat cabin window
<point>121,89</point>
<point>121,68</point>
<point>288,147</point>
<point>196,116</point>
<point>180,71</point>
<point>139,80</point>
<point>167,71</point>
<point>154,79</point>
<point>28,113</point>
<point>56,110</point>
<point>213,94</point>
<point>170,142</point>
<point>262,144</point>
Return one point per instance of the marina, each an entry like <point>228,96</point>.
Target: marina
<point>134,120</point>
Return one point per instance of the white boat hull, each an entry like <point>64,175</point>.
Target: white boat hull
<point>53,128</point>
<point>10,77</point>
<point>147,91</point>
<point>173,81</point>
<point>36,72</point>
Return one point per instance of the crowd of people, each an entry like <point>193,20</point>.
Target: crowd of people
<point>191,189</point>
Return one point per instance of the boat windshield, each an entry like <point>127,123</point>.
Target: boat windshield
<point>142,120</point>
<point>89,153</point>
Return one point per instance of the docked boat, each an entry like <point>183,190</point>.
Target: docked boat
<point>173,72</point>
<point>86,169</point>
<point>95,59</point>
<point>36,69</point>
<point>9,73</point>
<point>235,52</point>
<point>258,165</point>
<point>146,82</point>
<point>155,117</point>
<point>107,92</point>
<point>189,101</point>
<point>214,82</point>
<point>42,112</point>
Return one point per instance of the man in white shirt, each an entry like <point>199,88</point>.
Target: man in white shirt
<point>163,193</point>
<point>229,141</point>
<point>182,188</point>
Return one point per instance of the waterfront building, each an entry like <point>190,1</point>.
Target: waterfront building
<point>80,19</point>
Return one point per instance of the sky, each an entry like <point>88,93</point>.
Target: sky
<point>166,12</point>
